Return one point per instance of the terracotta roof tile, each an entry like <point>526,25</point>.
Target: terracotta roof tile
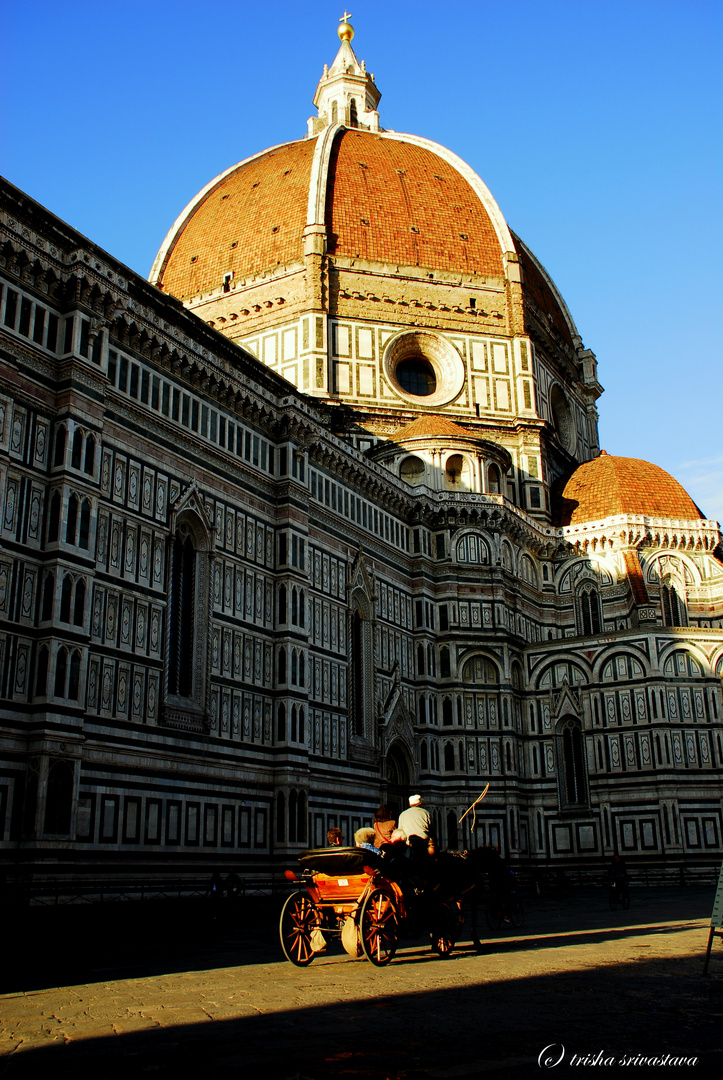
<point>608,485</point>
<point>392,201</point>
<point>426,426</point>
<point>253,221</point>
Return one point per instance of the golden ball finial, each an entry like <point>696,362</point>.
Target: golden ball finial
<point>346,30</point>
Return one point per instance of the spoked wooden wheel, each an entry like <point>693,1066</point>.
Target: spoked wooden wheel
<point>379,924</point>
<point>299,919</point>
<point>445,925</point>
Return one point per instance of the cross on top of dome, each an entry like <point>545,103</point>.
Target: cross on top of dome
<point>347,93</point>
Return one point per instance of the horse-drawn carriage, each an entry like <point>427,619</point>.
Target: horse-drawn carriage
<point>370,901</point>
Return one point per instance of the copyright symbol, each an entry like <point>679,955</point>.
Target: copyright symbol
<point>548,1059</point>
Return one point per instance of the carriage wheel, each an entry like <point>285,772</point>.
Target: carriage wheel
<point>379,925</point>
<point>493,914</point>
<point>299,918</point>
<point>444,929</point>
<point>517,912</point>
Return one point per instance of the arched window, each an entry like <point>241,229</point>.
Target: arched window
<point>292,817</point>
<point>74,676</point>
<point>65,598</point>
<point>59,798</point>
<point>431,661</point>
<point>357,672</point>
<point>79,605</point>
<point>281,604</point>
<point>457,471</point>
<point>412,469</point>
<point>280,817</point>
<point>494,485</point>
<point>353,118</point>
<point>71,519</point>
<point>480,670</point>
<point>54,517</point>
<point>77,452</point>
<point>301,818</point>
<point>281,723</point>
<point>334,112</point>
<point>41,672</point>
<point>424,755</point>
<point>448,757</point>
<point>182,617</point>
<point>294,607</point>
<point>48,598</point>
<point>574,785</point>
<point>294,667</point>
<point>302,732</point>
<point>460,756</point>
<point>302,608</point>
<point>447,712</point>
<point>84,531</point>
<point>89,459</point>
<point>281,666</point>
<point>292,736</point>
<point>61,668</point>
<point>59,455</point>
<point>673,609</point>
<point>589,601</point>
<point>444,662</point>
<point>422,709</point>
<point>420,660</point>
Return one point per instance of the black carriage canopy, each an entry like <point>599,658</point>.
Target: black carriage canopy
<point>337,862</point>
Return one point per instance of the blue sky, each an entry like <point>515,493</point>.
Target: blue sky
<point>596,124</point>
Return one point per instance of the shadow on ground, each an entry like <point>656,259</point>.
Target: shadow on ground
<point>488,1030</point>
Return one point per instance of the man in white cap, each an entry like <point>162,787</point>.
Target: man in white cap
<point>417,824</point>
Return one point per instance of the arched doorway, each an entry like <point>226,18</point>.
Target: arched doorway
<point>398,775</point>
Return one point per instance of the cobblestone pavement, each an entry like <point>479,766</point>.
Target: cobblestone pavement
<point>576,976</point>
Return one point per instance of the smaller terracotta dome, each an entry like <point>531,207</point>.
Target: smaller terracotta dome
<point>608,485</point>
<point>429,427</point>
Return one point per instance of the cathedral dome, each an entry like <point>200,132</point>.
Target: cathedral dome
<point>608,485</point>
<point>388,199</point>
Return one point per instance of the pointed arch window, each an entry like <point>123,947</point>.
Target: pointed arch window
<point>292,817</point>
<point>71,519</point>
<point>673,607</point>
<point>281,723</point>
<point>573,778</point>
<point>61,669</point>
<point>353,116</point>
<point>54,517</point>
<point>590,615</point>
<point>182,617</point>
<point>65,598</point>
<point>89,458</point>
<point>449,757</point>
<point>59,455</point>
<point>84,531</point>
<point>77,451</point>
<point>48,598</point>
<point>41,672</point>
<point>74,676</point>
<point>79,603</point>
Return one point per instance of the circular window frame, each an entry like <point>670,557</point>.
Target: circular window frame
<point>442,355</point>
